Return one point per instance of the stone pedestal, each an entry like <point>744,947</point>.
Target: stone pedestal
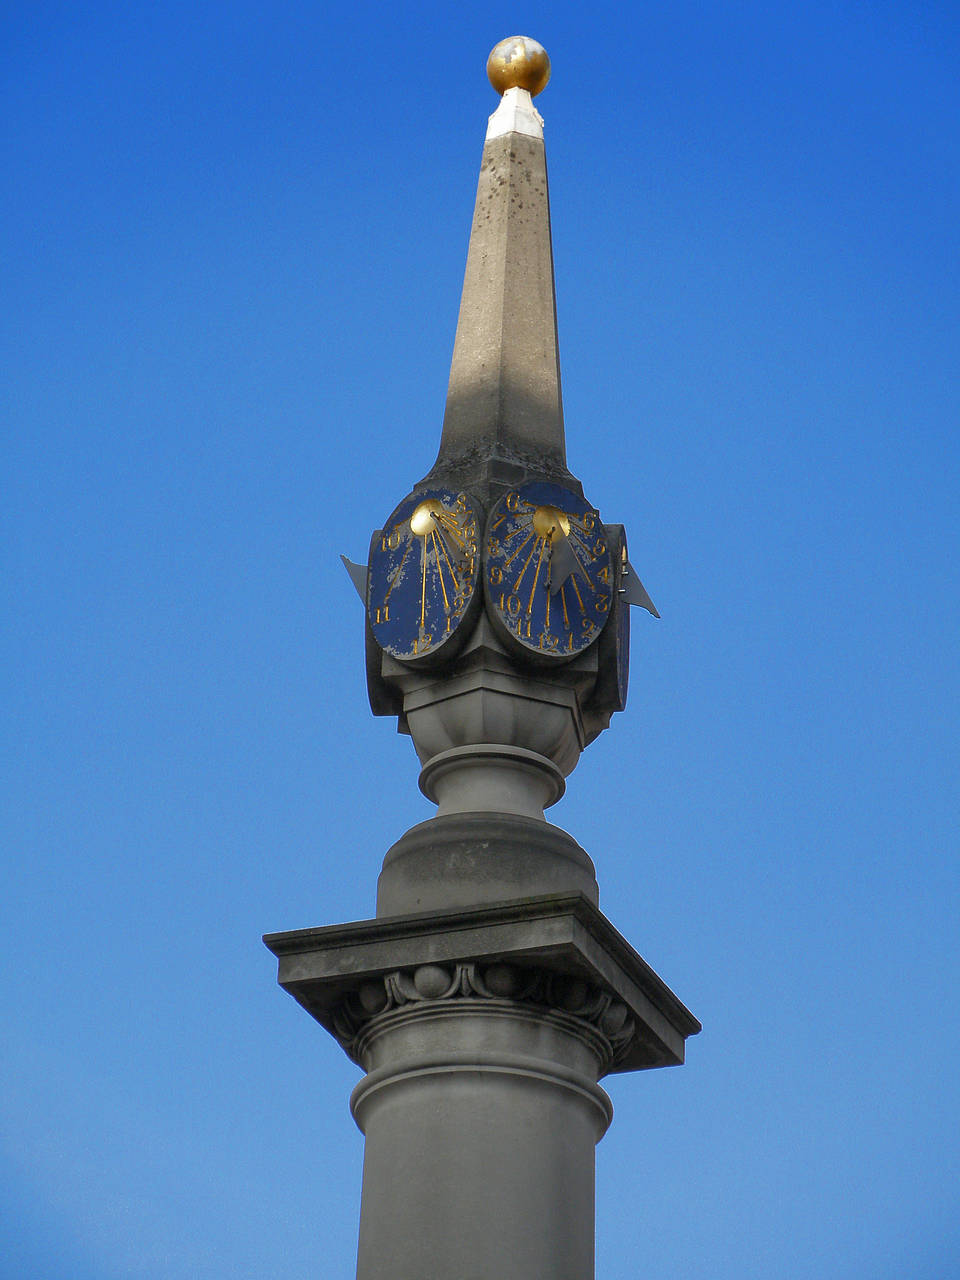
<point>483,1033</point>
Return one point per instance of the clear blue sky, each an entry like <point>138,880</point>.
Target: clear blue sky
<point>233,241</point>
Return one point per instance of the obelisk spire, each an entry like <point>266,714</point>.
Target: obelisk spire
<point>504,413</point>
<point>490,994</point>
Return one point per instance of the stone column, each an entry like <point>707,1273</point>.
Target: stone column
<point>483,1032</point>
<point>481,1112</point>
<point>490,994</point>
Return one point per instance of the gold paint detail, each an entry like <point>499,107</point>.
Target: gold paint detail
<point>549,522</point>
<point>441,532</point>
<point>453,576</point>
<point>518,63</point>
<point>423,587</point>
<point>536,577</point>
<point>436,553</point>
<point>516,585</point>
<point>424,517</point>
<point>514,554</point>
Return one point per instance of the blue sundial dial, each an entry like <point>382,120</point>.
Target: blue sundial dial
<point>546,570</point>
<point>422,584</point>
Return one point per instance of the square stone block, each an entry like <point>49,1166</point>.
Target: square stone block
<point>565,933</point>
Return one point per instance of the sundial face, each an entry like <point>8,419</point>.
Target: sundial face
<point>422,585</point>
<point>547,572</point>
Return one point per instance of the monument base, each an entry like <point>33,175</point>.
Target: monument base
<point>483,1033</point>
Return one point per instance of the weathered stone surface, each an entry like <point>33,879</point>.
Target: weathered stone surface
<point>564,934</point>
<point>472,859</point>
<point>483,1033</point>
<point>504,413</point>
<point>480,1121</point>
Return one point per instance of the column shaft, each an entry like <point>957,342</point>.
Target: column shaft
<point>481,1123</point>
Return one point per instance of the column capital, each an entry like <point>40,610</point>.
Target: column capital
<point>556,952</point>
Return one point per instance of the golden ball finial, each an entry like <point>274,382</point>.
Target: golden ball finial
<point>518,63</point>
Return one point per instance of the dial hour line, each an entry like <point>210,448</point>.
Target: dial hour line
<point>456,542</point>
<point>563,601</point>
<point>508,563</point>
<point>450,524</point>
<point>453,576</point>
<point>423,585</point>
<point>575,533</point>
<point>436,552</point>
<point>586,549</point>
<point>576,589</point>
<point>452,532</point>
<point>516,585</point>
<point>543,547</point>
